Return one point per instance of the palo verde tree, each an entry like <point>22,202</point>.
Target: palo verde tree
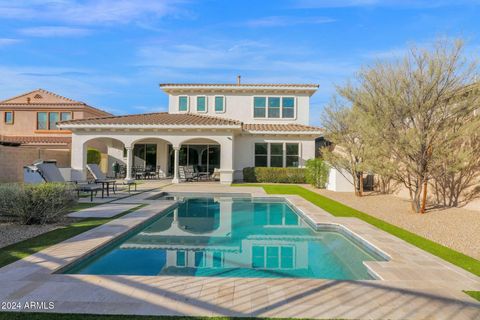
<point>410,105</point>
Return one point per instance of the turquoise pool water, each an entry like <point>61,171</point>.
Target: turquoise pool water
<point>229,237</point>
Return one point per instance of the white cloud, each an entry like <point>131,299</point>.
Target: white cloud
<point>286,21</point>
<point>87,12</point>
<point>54,31</point>
<point>8,41</point>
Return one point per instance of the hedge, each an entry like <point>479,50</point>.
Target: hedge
<point>274,175</point>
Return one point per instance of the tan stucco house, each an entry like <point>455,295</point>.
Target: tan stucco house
<point>29,131</point>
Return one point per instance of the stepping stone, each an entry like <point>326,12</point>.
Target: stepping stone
<point>102,211</point>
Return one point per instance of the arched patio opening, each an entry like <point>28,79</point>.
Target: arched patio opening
<point>150,158</point>
<point>201,153</point>
<point>108,153</point>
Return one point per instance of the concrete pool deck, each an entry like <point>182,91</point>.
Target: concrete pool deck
<point>414,285</point>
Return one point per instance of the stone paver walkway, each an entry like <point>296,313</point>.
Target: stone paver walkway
<point>107,210</point>
<point>414,285</point>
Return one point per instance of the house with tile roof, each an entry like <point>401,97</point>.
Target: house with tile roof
<point>222,127</point>
<point>29,131</point>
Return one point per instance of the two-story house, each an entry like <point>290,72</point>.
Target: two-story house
<point>29,123</point>
<point>213,126</point>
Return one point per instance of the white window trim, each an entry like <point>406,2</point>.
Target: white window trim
<point>224,104</point>
<point>281,108</point>
<point>188,104</point>
<point>206,104</point>
<point>279,247</point>
<point>284,153</point>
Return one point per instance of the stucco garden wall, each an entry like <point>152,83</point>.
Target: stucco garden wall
<point>13,159</point>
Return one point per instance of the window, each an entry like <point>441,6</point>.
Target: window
<point>274,107</point>
<point>52,120</point>
<point>202,104</point>
<point>217,259</point>
<point>288,107</point>
<point>261,154</point>
<point>8,117</point>
<point>42,121</point>
<point>183,103</point>
<point>292,154</point>
<point>199,259</point>
<point>181,259</point>
<point>276,155</point>
<point>219,104</point>
<point>273,257</point>
<point>64,116</point>
<point>258,257</point>
<point>259,107</point>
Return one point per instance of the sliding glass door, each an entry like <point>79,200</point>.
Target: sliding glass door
<point>204,157</point>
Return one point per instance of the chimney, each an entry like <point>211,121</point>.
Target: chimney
<point>28,100</point>
<point>239,77</point>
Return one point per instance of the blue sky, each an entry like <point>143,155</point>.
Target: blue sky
<point>113,54</point>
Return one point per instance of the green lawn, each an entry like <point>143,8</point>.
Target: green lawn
<point>474,294</point>
<point>340,210</point>
<point>27,247</point>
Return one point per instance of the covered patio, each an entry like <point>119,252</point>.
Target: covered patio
<point>159,147</point>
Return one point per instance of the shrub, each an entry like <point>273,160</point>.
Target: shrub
<point>317,172</point>
<point>93,156</point>
<point>37,203</point>
<point>274,175</point>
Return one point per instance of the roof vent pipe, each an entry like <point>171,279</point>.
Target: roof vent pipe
<point>239,77</point>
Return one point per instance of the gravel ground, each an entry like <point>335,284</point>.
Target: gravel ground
<point>11,232</point>
<point>456,228</point>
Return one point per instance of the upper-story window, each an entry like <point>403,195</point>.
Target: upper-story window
<point>201,104</point>
<point>219,104</point>
<point>8,118</point>
<point>49,120</point>
<point>274,107</point>
<point>183,103</point>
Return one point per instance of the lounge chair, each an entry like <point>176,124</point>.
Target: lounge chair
<point>100,177</point>
<point>215,175</point>
<point>50,173</point>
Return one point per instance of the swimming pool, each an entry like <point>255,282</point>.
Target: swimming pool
<point>231,237</point>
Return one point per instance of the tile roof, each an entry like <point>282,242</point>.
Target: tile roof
<point>41,97</point>
<point>290,127</point>
<point>188,119</point>
<point>159,118</point>
<point>35,139</point>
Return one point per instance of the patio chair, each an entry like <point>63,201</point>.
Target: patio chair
<point>50,173</point>
<point>190,173</point>
<point>100,177</point>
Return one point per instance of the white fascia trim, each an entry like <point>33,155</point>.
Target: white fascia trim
<point>242,87</point>
<point>146,126</point>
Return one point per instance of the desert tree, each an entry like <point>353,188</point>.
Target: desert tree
<point>410,104</point>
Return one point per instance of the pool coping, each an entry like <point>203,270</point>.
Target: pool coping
<point>408,267</point>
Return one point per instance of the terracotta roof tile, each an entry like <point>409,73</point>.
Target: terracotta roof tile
<point>290,127</point>
<point>36,139</point>
<point>160,118</point>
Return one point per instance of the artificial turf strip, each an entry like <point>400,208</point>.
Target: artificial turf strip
<point>473,294</point>
<point>340,210</point>
<point>30,246</point>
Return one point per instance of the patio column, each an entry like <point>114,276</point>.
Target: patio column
<point>78,160</point>
<point>128,176</point>
<point>176,152</point>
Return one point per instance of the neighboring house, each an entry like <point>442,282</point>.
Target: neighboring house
<point>29,122</point>
<point>212,126</point>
